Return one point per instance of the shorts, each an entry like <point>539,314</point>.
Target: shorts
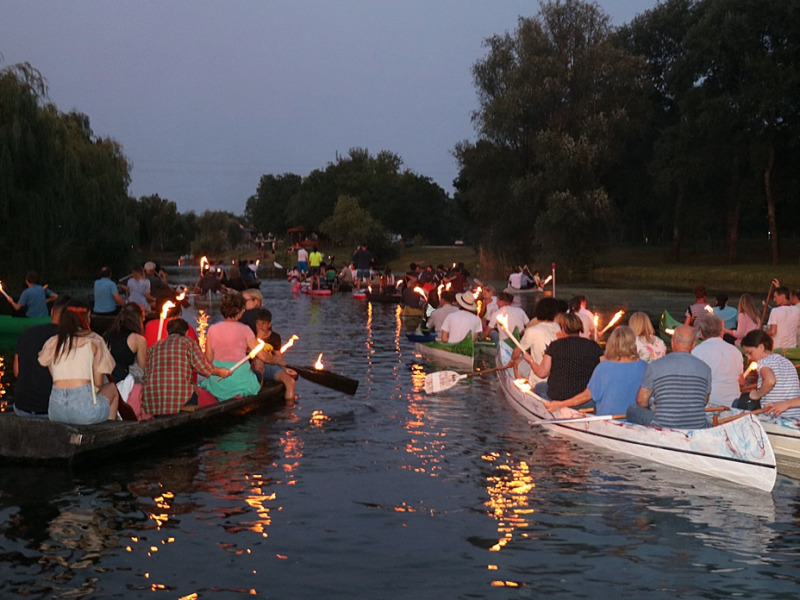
<point>302,267</point>
<point>271,371</point>
<point>314,271</point>
<point>77,406</point>
<point>363,273</point>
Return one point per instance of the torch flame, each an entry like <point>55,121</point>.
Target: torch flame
<point>613,321</point>
<point>502,320</point>
<point>289,344</point>
<point>181,296</point>
<point>751,367</point>
<point>596,320</point>
<point>448,286</point>
<point>708,309</point>
<point>165,309</point>
<point>257,348</point>
<point>669,331</point>
<point>203,264</point>
<point>546,281</point>
<point>421,292</point>
<point>369,289</point>
<point>523,385</point>
<point>319,364</point>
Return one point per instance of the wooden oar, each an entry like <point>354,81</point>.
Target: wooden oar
<point>766,304</point>
<point>738,416</point>
<point>579,420</point>
<point>444,380</point>
<point>337,382</point>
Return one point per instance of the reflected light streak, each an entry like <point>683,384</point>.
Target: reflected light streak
<point>4,404</point>
<point>509,489</point>
<point>202,327</point>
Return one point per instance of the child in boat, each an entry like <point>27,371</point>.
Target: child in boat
<point>777,376</point>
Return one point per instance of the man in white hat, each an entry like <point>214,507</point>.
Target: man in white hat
<point>461,323</point>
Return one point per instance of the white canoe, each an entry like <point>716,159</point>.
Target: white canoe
<point>783,433</point>
<point>738,451</point>
<point>444,356</point>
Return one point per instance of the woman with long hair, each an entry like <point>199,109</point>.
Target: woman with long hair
<point>77,359</point>
<point>126,341</point>
<point>648,344</point>
<point>615,381</point>
<point>747,320</point>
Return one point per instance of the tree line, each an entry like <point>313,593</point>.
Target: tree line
<point>681,125</point>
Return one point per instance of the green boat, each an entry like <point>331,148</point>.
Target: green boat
<point>11,327</point>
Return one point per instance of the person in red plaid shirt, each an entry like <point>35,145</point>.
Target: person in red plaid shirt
<point>168,371</point>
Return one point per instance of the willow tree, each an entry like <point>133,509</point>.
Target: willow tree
<point>557,99</point>
<point>63,190</point>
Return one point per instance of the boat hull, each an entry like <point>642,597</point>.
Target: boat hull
<point>24,439</point>
<point>738,451</point>
<point>445,357</point>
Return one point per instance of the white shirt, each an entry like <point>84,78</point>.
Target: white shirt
<point>492,308</point>
<point>436,320</point>
<point>589,330</point>
<point>536,340</point>
<point>726,364</point>
<point>302,255</point>
<point>461,323</point>
<point>516,318</point>
<point>515,280</point>
<point>786,318</point>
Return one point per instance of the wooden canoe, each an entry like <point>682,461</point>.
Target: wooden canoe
<point>460,355</point>
<point>24,439</point>
<point>738,451</point>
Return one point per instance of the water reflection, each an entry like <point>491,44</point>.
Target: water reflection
<point>448,495</point>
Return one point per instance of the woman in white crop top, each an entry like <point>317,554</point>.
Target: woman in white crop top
<point>77,359</point>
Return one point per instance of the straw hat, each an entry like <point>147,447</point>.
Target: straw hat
<point>467,301</point>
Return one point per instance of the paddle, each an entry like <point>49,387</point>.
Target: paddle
<point>579,420</point>
<point>444,380</point>
<point>337,382</point>
<point>737,416</point>
<point>766,304</point>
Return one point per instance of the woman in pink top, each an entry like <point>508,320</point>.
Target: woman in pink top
<point>226,344</point>
<point>748,319</point>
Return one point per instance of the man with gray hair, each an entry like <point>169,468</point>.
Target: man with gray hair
<point>724,360</point>
<point>678,385</point>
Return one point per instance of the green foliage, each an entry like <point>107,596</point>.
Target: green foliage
<point>351,225</point>
<point>63,191</point>
<point>267,209</point>
<point>217,232</point>
<point>556,100</point>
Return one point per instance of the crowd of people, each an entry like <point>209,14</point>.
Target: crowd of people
<point>635,375</point>
<point>140,367</point>
<point>151,366</point>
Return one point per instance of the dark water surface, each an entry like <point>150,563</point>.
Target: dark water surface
<point>389,494</point>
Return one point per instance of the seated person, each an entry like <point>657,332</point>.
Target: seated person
<point>253,301</point>
<point>126,341</point>
<point>170,368</point>
<point>568,362</point>
<point>269,364</point>
<point>678,384</point>
<point>777,376</point>
<point>107,300</point>
<point>447,305</point>
<point>78,359</point>
<point>34,383</point>
<point>615,381</point>
<point>227,342</point>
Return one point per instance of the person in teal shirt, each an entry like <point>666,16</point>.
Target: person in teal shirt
<point>34,297</point>
<point>727,313</point>
<point>107,300</point>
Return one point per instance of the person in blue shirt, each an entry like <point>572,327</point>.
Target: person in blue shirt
<point>727,313</point>
<point>107,300</point>
<point>34,297</point>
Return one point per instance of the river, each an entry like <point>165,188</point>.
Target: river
<point>390,494</point>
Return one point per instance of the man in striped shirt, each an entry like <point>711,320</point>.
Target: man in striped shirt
<point>678,385</point>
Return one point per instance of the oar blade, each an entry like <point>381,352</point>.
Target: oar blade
<point>334,381</point>
<point>441,380</point>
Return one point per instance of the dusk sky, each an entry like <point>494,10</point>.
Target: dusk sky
<point>207,96</point>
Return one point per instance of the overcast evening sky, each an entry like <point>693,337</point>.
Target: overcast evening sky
<point>207,96</point>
